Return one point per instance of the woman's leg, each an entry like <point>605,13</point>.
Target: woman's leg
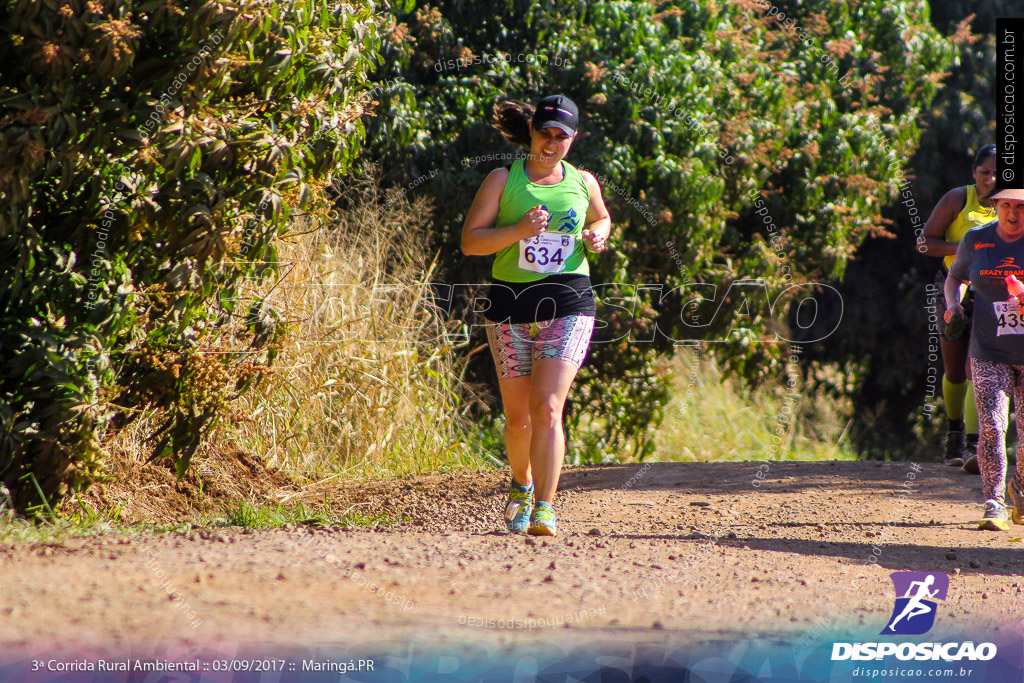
<point>954,393</point>
<point>992,396</point>
<point>955,360</point>
<point>1015,485</point>
<point>970,410</point>
<point>512,350</point>
<point>515,396</point>
<point>560,348</point>
<point>552,379</point>
<point>954,363</point>
<point>1017,374</point>
<point>971,426</point>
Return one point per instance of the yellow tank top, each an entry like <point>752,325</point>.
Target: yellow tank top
<point>973,215</point>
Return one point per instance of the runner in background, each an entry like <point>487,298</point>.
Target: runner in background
<point>538,216</point>
<point>960,210</point>
<point>991,260</point>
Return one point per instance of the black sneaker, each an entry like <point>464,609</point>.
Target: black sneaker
<point>956,449</point>
<point>971,461</point>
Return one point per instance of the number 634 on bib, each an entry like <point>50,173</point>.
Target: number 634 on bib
<point>546,253</point>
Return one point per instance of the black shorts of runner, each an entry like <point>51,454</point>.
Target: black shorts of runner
<point>555,296</point>
<point>967,303</point>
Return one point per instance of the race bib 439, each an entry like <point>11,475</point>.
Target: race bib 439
<point>1009,319</point>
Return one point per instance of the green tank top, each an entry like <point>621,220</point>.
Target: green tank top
<point>973,215</point>
<point>560,248</point>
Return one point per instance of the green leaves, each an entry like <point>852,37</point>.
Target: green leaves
<point>669,95</point>
<point>137,144</point>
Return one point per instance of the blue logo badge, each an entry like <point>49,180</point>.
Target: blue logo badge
<point>569,222</point>
<point>914,613</point>
<point>563,221</point>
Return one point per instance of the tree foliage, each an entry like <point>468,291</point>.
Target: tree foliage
<point>149,154</point>
<point>690,111</point>
<point>898,392</point>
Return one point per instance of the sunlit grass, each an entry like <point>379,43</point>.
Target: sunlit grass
<point>76,520</point>
<point>47,529</point>
<point>266,516</point>
<point>712,418</point>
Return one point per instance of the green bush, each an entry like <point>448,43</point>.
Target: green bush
<point>149,155</point>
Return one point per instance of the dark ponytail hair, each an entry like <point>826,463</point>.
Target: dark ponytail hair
<point>512,119</point>
<point>983,154</point>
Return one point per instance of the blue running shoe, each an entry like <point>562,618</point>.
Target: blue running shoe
<point>519,507</point>
<point>542,522</point>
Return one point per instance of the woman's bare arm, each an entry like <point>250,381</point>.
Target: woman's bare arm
<point>944,213</point>
<point>599,223</point>
<point>479,236</point>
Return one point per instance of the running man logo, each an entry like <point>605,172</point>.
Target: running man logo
<point>1007,267</point>
<point>913,614</point>
<point>564,221</point>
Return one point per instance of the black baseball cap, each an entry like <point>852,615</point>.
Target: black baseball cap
<point>557,111</point>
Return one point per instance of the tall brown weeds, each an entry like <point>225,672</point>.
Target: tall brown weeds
<point>365,381</point>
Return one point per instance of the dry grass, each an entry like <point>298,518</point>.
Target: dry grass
<point>712,419</point>
<point>366,382</point>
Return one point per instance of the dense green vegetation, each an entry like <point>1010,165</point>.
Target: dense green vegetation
<point>158,164</point>
<point>150,156</point>
<point>712,418</point>
<point>887,277</point>
<point>732,144</point>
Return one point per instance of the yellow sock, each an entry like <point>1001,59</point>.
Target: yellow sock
<point>970,410</point>
<point>954,395</point>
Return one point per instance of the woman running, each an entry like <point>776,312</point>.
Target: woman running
<point>538,216</point>
<point>960,210</point>
<point>985,259</point>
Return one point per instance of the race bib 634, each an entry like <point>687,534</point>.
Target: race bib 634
<point>546,253</point>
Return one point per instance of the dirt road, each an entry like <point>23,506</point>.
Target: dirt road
<point>691,551</point>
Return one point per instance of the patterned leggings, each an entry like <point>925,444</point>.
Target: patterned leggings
<point>515,346</point>
<point>993,384</point>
